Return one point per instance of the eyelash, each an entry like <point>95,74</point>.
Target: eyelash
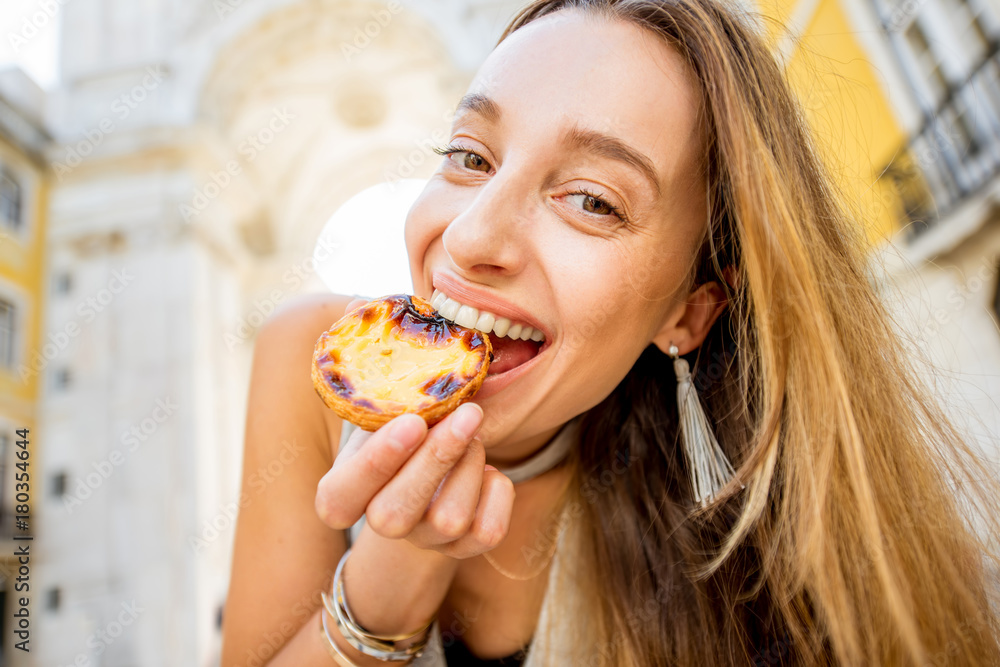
<point>451,149</point>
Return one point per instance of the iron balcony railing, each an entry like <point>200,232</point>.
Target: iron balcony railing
<point>954,155</point>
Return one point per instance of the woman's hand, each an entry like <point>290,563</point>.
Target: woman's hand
<point>429,487</point>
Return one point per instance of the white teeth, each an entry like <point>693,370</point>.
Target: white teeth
<point>449,309</point>
<point>473,318</point>
<point>485,322</point>
<point>467,316</point>
<point>501,326</point>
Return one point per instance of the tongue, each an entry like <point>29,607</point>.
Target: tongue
<point>508,354</point>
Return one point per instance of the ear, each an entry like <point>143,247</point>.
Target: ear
<point>689,323</point>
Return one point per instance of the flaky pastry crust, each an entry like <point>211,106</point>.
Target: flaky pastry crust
<point>396,355</point>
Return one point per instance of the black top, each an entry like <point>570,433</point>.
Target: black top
<point>457,654</point>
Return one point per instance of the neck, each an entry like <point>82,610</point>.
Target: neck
<point>508,456</point>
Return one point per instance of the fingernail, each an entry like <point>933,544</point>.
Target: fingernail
<point>466,420</point>
<point>489,467</point>
<point>405,432</point>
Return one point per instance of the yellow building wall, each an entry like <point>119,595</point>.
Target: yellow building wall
<point>843,100</point>
<point>21,271</point>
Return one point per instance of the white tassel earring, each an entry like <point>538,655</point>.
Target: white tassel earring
<point>709,466</point>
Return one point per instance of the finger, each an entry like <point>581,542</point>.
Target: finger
<point>453,507</point>
<point>399,505</point>
<point>345,491</point>
<point>352,446</point>
<point>489,528</point>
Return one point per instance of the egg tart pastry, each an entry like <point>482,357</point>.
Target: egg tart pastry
<point>395,355</point>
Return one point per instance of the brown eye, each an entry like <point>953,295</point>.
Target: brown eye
<point>595,205</point>
<point>592,204</point>
<point>475,162</point>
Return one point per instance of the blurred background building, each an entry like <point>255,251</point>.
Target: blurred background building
<point>23,202</point>
<point>163,195</point>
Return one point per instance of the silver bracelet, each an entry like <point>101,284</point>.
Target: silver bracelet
<point>331,646</point>
<point>382,648</point>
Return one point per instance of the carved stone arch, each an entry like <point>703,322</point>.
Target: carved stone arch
<point>339,97</point>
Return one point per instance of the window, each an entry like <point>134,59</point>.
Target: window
<point>941,43</point>
<point>53,599</point>
<point>996,297</point>
<point>4,504</point>
<point>62,283</point>
<point>63,378</point>
<point>968,145</point>
<point>59,483</point>
<point>969,26</point>
<point>927,61</point>
<point>8,334</point>
<point>11,200</point>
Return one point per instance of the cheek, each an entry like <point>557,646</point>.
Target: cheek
<point>425,223</point>
<point>614,313</point>
<point>603,309</point>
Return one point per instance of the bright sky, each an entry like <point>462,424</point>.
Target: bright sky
<point>29,38</point>
<point>361,249</point>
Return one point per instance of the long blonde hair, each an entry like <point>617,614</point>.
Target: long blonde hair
<point>847,545</point>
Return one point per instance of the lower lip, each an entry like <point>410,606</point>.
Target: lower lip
<point>494,384</point>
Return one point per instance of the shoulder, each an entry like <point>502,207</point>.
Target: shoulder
<point>300,318</point>
<point>290,441</point>
<point>281,386</point>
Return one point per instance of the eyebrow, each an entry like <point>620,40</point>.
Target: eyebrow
<point>592,141</point>
<point>481,105</point>
<point>613,148</point>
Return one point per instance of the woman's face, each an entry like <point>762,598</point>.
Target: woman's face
<point>572,201</point>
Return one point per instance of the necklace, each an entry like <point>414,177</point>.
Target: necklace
<point>522,577</point>
<point>545,563</point>
<point>540,462</point>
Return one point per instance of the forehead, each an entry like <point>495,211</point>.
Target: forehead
<point>573,69</point>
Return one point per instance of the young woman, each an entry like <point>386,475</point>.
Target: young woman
<point>631,179</point>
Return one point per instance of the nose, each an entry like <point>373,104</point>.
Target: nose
<point>488,237</point>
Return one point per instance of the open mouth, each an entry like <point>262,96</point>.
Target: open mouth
<point>509,354</point>
<point>514,343</point>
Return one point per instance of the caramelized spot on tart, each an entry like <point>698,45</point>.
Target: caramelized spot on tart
<point>338,383</point>
<point>396,355</point>
<point>441,386</point>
